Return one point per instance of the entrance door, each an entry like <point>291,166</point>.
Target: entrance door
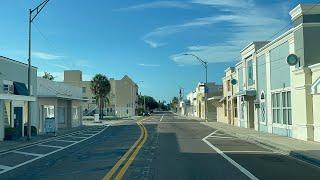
<point>251,113</point>
<point>18,123</point>
<point>229,112</point>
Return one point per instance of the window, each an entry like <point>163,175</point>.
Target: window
<point>84,90</point>
<point>281,108</point>
<point>235,108</point>
<point>229,85</point>
<point>262,109</point>
<point>225,107</point>
<point>250,73</point>
<point>48,111</point>
<point>75,112</point>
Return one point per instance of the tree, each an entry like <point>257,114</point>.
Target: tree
<point>100,87</point>
<point>48,76</point>
<point>174,103</point>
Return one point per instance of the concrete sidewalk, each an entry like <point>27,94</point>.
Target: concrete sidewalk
<point>305,150</point>
<point>22,142</point>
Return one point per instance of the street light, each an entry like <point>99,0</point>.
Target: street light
<point>32,15</point>
<point>205,65</point>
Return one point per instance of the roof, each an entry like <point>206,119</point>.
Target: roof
<point>15,61</point>
<point>53,89</point>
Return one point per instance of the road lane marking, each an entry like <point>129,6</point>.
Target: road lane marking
<point>220,137</point>
<point>44,145</point>
<point>161,118</point>
<point>39,157</point>
<point>66,140</point>
<point>3,167</point>
<point>128,153</point>
<point>134,154</point>
<point>238,166</point>
<point>29,154</point>
<point>256,152</point>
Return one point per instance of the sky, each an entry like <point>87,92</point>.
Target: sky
<point>144,39</point>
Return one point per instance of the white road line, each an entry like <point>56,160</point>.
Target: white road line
<point>5,167</point>
<point>39,157</point>
<point>44,145</point>
<point>66,140</point>
<point>29,154</point>
<point>161,118</point>
<point>242,169</point>
<point>220,137</point>
<point>262,152</point>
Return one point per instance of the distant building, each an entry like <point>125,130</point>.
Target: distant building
<point>14,96</point>
<point>123,97</point>
<point>195,103</point>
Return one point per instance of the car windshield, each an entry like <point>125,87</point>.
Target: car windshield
<point>160,89</point>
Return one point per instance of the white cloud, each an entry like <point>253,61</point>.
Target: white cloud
<point>226,3</point>
<point>153,44</point>
<point>46,56</point>
<point>149,65</point>
<point>247,25</point>
<point>158,4</point>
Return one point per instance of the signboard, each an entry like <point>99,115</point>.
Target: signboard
<point>50,125</point>
<point>292,59</point>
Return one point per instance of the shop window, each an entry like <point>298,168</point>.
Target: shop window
<point>48,111</point>
<point>75,112</point>
<point>235,108</point>
<point>281,108</point>
<point>250,73</point>
<point>225,108</point>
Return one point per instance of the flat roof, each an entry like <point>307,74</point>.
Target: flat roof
<point>19,62</point>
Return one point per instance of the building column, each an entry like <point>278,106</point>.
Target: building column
<point>302,110</point>
<point>316,103</point>
<point>268,93</point>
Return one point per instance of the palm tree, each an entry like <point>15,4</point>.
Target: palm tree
<point>48,76</point>
<point>100,87</point>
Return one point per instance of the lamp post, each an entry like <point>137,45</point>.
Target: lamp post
<point>32,15</point>
<point>205,65</point>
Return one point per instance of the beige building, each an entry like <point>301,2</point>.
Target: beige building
<point>227,110</point>
<point>123,96</point>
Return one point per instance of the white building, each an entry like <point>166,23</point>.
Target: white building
<point>59,105</point>
<point>14,96</point>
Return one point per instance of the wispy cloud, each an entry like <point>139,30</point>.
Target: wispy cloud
<point>153,44</point>
<point>157,4</point>
<point>226,3</point>
<point>247,25</point>
<point>46,56</point>
<point>149,65</point>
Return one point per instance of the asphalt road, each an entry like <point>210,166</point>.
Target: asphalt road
<point>171,148</point>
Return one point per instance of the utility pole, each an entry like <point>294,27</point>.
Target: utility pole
<point>205,65</point>
<point>32,15</point>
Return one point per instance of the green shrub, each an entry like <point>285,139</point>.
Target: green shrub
<point>11,133</point>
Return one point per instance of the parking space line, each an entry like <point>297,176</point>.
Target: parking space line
<point>161,118</point>
<point>220,137</point>
<point>4,167</point>
<point>29,154</point>
<point>39,156</point>
<point>255,152</point>
<point>238,166</point>
<point>66,140</point>
<point>44,145</point>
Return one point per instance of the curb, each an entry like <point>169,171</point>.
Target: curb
<point>273,146</point>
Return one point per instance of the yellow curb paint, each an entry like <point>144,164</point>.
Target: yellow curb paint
<point>125,156</point>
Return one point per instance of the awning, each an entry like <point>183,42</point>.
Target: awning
<point>17,97</point>
<point>20,89</point>
<point>249,92</point>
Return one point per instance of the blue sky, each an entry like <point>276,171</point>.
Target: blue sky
<point>144,39</point>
